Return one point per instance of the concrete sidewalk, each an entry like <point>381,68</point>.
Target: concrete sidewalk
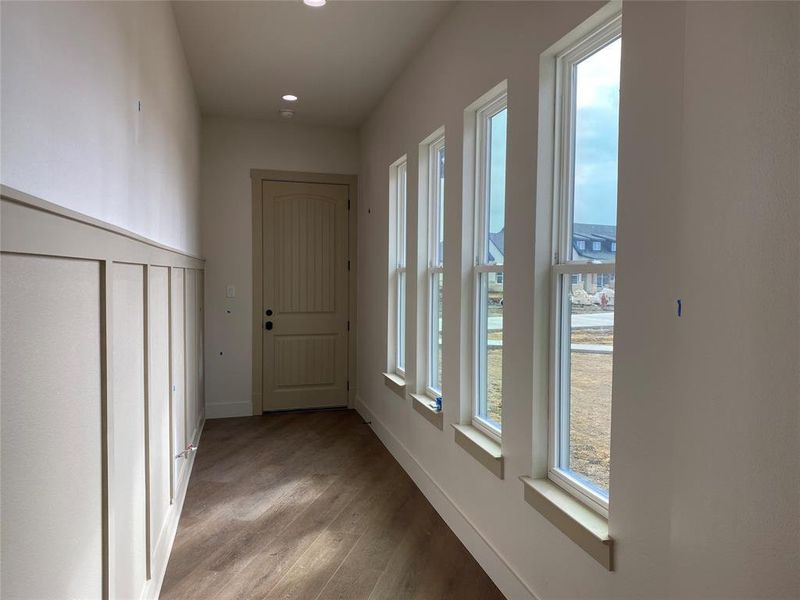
<point>579,321</point>
<point>583,348</point>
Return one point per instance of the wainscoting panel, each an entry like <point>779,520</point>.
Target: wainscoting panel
<point>192,362</point>
<point>160,451</point>
<point>129,451</point>
<point>101,339</point>
<point>179,399</point>
<point>201,348</point>
<point>50,385</point>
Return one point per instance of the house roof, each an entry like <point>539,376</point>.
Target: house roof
<point>605,232</point>
<point>585,231</point>
<point>497,241</point>
<point>591,232</point>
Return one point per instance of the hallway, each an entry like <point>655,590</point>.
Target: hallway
<point>544,251</point>
<point>311,505</point>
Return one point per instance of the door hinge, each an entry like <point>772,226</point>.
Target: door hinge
<point>348,326</point>
<point>348,203</point>
<point>348,265</point>
<point>348,385</point>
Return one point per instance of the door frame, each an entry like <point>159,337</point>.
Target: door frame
<point>257,177</point>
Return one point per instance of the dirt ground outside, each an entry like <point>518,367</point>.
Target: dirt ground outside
<point>590,416</point>
<point>590,409</point>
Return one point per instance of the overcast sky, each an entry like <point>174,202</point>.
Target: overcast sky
<point>597,126</point>
<point>596,137</point>
<point>497,173</point>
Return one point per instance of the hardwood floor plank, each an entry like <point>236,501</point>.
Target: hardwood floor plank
<point>356,577</point>
<point>275,556</point>
<point>399,579</point>
<point>311,505</point>
<point>306,578</point>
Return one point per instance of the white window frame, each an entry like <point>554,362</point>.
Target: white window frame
<point>435,264</point>
<point>493,106</point>
<point>398,189</point>
<point>564,266</point>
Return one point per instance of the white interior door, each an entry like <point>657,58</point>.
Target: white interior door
<point>305,295</point>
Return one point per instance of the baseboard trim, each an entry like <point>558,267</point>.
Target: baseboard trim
<point>490,559</point>
<point>228,409</point>
<point>163,549</point>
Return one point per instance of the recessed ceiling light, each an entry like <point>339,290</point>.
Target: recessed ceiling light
<point>314,3</point>
<point>289,97</point>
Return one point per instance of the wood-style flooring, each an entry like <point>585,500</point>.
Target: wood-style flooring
<point>311,506</point>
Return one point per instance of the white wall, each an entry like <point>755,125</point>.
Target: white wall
<point>230,148</point>
<point>705,498</point>
<point>73,74</point>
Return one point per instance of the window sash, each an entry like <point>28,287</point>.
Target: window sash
<point>564,266</point>
<point>487,428</point>
<point>400,359</point>
<point>435,265</point>
<point>576,267</point>
<point>483,142</point>
<point>400,346</point>
<point>566,80</point>
<point>434,333</point>
<point>481,370</point>
<point>560,387</point>
<point>435,217</point>
<point>398,283</point>
<point>489,268</point>
<point>481,266</point>
<point>401,215</point>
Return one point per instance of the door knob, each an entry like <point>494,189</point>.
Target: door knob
<point>268,325</point>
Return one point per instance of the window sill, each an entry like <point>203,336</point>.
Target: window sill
<point>483,448</point>
<point>395,383</point>
<point>578,522</point>
<point>422,404</point>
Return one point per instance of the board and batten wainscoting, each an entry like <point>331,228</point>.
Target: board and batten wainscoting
<point>102,391</point>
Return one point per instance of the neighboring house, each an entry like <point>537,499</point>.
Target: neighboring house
<point>497,246</point>
<point>589,242</point>
<point>594,242</point>
<point>497,256</point>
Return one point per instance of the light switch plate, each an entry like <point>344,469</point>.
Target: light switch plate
<point>230,291</point>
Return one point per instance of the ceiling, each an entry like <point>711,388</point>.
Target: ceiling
<point>339,59</point>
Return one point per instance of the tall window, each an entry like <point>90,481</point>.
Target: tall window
<point>435,265</point>
<point>587,119</point>
<point>398,268</point>
<point>489,257</point>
